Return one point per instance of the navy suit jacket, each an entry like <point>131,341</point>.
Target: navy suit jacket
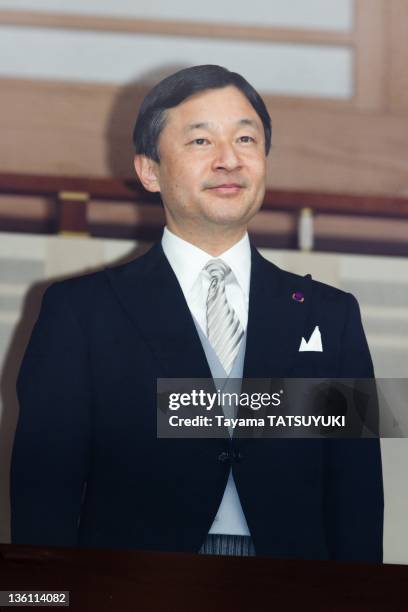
<point>88,469</point>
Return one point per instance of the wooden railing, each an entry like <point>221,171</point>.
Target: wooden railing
<point>71,197</point>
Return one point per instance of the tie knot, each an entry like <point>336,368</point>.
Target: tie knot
<point>217,269</point>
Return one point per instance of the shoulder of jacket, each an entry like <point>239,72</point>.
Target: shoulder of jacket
<point>328,292</point>
<point>76,288</point>
<point>318,290</point>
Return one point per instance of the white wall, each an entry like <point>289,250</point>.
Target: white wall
<point>109,57</point>
<point>319,14</point>
<point>120,58</point>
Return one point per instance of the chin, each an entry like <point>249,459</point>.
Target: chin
<point>230,216</point>
<point>228,220</point>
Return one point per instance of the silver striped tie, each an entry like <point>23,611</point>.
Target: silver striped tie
<point>224,330</point>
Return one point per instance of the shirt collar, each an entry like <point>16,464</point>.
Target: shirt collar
<point>188,260</point>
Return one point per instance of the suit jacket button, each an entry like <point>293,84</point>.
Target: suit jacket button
<point>223,457</point>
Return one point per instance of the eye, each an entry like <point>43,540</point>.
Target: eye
<point>246,139</point>
<point>200,141</point>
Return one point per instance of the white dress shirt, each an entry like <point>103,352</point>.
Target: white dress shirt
<point>187,262</point>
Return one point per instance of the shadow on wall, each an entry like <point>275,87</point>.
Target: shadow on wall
<point>122,119</point>
<point>120,153</point>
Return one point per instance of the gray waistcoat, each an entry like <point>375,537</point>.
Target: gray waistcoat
<point>230,517</point>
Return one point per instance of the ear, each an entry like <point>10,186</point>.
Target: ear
<point>147,171</point>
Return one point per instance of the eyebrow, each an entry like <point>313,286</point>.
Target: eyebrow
<point>198,126</point>
<point>249,122</point>
<point>207,125</point>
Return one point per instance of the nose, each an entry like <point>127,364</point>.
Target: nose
<point>226,157</point>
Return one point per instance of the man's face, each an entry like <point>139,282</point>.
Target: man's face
<point>212,162</point>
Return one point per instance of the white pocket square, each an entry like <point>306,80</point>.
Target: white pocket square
<point>314,343</point>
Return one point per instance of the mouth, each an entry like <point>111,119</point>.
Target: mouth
<point>226,188</point>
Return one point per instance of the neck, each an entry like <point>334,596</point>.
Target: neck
<point>214,243</point>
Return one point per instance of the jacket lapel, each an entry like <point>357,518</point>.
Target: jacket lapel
<point>151,296</point>
<point>276,321</point>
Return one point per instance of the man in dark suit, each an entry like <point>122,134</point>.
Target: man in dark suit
<point>88,468</point>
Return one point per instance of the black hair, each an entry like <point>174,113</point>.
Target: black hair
<point>176,88</point>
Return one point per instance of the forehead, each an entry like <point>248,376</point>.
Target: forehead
<point>226,105</point>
